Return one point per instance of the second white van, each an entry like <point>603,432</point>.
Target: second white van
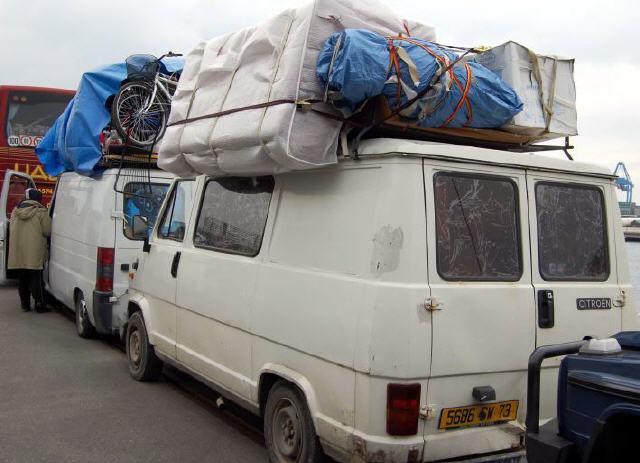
<point>92,243</point>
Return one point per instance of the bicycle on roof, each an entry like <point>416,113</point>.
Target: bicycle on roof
<point>141,107</point>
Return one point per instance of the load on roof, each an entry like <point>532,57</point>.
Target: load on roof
<point>251,102</point>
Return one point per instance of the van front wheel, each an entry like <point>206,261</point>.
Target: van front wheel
<point>288,428</point>
<point>144,364</point>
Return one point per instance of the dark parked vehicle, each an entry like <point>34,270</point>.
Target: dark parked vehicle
<point>598,402</point>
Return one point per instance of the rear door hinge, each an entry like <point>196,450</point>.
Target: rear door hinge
<point>621,300</point>
<point>432,305</point>
<point>427,411</point>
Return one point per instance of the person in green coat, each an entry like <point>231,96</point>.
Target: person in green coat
<point>29,228</point>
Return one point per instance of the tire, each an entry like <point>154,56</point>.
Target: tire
<point>84,328</point>
<point>135,127</point>
<point>288,428</point>
<point>144,364</point>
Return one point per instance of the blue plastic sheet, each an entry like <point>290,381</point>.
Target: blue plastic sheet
<point>73,142</point>
<point>356,65</point>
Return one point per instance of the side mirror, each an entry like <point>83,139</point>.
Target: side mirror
<point>140,227</point>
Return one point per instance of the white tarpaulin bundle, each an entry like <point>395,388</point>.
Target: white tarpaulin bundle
<point>238,108</point>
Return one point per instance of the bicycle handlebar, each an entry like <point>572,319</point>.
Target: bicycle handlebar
<point>169,54</point>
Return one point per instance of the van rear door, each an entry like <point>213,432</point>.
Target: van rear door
<point>574,254</point>
<point>482,306</point>
<point>574,269</point>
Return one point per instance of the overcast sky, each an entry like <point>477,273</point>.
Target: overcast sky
<point>50,43</point>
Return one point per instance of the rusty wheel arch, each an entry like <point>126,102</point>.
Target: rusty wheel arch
<point>132,308</point>
<point>267,381</point>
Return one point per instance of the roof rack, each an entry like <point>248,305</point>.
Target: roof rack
<point>134,166</point>
<point>126,156</point>
<point>375,120</point>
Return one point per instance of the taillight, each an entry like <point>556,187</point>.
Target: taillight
<point>104,269</point>
<point>403,409</point>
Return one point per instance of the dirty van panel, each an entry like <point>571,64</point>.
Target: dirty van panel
<point>483,317</point>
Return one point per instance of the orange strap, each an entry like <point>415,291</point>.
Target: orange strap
<point>394,62</point>
<point>463,98</point>
<point>445,62</point>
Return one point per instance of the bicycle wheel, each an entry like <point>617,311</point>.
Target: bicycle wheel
<point>137,120</point>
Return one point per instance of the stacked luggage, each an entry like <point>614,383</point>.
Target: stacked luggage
<point>276,97</point>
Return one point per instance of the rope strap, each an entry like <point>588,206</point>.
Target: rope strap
<point>445,66</point>
<point>303,104</point>
<point>545,103</point>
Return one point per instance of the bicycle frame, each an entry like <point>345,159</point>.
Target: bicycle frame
<point>163,85</point>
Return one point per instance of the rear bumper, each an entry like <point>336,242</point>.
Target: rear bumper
<point>510,457</point>
<point>103,312</point>
<point>369,449</point>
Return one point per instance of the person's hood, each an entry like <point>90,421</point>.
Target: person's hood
<point>27,209</point>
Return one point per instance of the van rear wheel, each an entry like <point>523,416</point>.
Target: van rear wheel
<point>144,364</point>
<point>288,428</point>
<point>83,325</point>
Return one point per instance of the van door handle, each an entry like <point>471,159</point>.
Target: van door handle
<point>175,263</point>
<point>546,310</point>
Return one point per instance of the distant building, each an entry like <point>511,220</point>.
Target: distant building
<point>629,209</point>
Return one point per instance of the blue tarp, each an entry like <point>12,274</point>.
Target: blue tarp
<point>73,142</point>
<point>358,64</point>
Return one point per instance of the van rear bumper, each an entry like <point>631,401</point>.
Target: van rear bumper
<point>103,312</point>
<point>519,456</point>
<point>369,449</point>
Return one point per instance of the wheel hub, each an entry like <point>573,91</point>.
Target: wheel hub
<point>286,431</point>
<point>134,347</point>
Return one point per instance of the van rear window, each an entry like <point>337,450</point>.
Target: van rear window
<point>143,199</point>
<point>233,215</point>
<point>477,229</point>
<point>572,237</point>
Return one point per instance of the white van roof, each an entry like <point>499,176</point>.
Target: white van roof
<point>472,154</point>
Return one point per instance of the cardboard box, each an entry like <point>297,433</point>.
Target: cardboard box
<point>524,71</point>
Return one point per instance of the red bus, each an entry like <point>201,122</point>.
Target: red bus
<point>26,113</point>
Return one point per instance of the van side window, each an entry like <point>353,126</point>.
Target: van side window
<point>143,199</point>
<point>572,233</point>
<point>477,228</point>
<point>233,215</point>
<point>174,220</point>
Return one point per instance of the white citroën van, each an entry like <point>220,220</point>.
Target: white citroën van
<point>384,309</point>
<point>92,243</point>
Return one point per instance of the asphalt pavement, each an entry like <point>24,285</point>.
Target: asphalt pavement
<point>64,399</point>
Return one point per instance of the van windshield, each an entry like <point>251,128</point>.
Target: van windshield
<point>143,199</point>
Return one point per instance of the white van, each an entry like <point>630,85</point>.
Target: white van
<point>92,243</point>
<point>384,309</point>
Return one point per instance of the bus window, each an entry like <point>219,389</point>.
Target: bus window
<point>30,114</point>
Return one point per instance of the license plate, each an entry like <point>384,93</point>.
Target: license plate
<point>476,415</point>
